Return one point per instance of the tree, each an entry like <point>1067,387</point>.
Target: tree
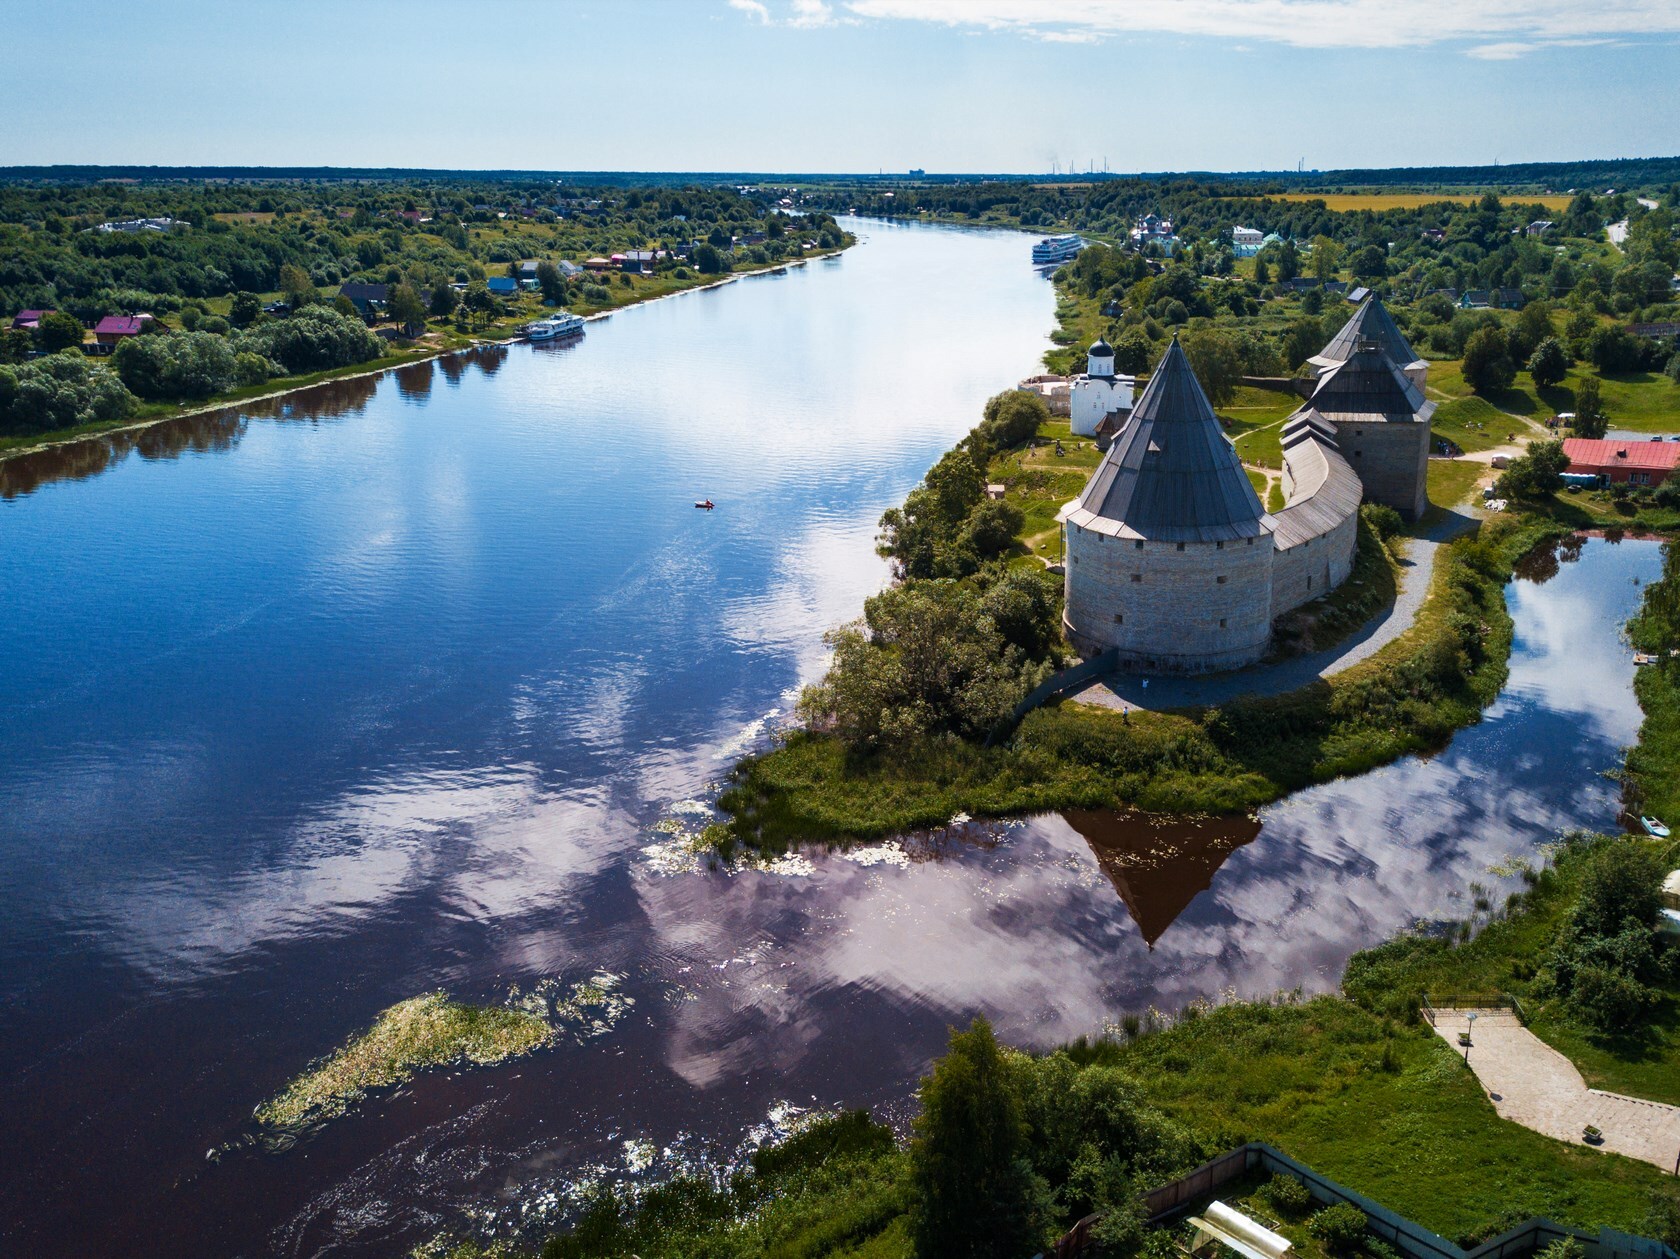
<point>182,365</point>
<point>552,283</point>
<point>1536,473</point>
<point>443,300</point>
<point>1487,363</point>
<point>1548,363</point>
<point>1132,352</point>
<point>245,310</point>
<point>1289,261</point>
<point>1612,348</point>
<point>296,286</point>
<point>1326,258</point>
<point>406,309</point>
<point>479,303</point>
<point>58,331</point>
<point>1218,364</point>
<point>1262,273</point>
<point>708,261</point>
<point>60,391</point>
<point>1533,326</point>
<point>975,1193</point>
<point>15,344</point>
<point>1590,420</point>
<point>1370,263</point>
<point>1312,301</point>
<point>314,339</point>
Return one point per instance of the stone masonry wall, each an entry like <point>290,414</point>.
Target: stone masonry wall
<point>1313,568</point>
<point>1177,616</point>
<point>1393,462</point>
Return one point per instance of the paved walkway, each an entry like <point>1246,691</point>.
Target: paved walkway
<point>1533,1084</point>
<point>1162,691</point>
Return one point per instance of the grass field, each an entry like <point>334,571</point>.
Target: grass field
<point>1345,201</point>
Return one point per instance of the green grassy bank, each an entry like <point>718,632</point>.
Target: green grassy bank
<point>1408,698</point>
<point>1355,1085</point>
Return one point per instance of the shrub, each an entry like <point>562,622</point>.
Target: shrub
<point>1287,1195</point>
<point>1341,1228</point>
<point>250,369</point>
<point>316,338</point>
<point>1384,519</point>
<point>1487,361</point>
<point>181,365</point>
<point>60,391</point>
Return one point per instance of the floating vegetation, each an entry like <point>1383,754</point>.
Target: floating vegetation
<point>890,853</point>
<point>425,1031</point>
<point>433,1031</point>
<point>585,1010</point>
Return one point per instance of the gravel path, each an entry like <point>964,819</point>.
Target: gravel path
<point>1533,1084</point>
<point>1162,692</point>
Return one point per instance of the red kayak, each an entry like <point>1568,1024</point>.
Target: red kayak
<point>706,506</point>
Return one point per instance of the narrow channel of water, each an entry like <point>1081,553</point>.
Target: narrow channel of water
<point>383,689</point>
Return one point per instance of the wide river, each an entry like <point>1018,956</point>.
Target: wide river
<point>401,686</point>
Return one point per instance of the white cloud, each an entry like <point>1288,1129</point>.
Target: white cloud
<point>1500,29</point>
<point>811,13</point>
<point>752,8</point>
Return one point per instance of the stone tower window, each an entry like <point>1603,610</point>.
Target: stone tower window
<point>1220,580</point>
<point>1119,618</point>
<point>1219,546</point>
<point>1140,544</point>
<point>1221,622</point>
<point>1137,576</point>
<point>1181,546</point>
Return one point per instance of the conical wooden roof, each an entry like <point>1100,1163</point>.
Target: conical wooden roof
<point>1371,322</point>
<point>1171,474</point>
<point>1369,386</point>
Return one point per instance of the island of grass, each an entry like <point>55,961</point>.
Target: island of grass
<point>412,1036</point>
<point>916,720</point>
<point>1011,1149</point>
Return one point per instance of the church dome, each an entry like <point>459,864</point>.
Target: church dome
<point>1100,349</point>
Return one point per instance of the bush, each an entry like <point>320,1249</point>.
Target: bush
<point>1535,474</point>
<point>1341,1228</point>
<point>60,391</point>
<point>314,339</point>
<point>1383,519</point>
<point>1548,363</point>
<point>180,365</point>
<point>251,369</point>
<point>1287,1195</point>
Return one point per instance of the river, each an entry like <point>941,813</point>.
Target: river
<point>393,686</point>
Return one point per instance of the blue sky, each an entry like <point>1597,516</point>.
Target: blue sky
<point>839,85</point>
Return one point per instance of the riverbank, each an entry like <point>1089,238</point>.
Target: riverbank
<point>449,342</point>
<point>1229,757</point>
<point>1356,1085</point>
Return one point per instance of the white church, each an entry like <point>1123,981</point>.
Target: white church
<point>1099,394</point>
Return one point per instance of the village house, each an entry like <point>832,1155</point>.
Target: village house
<point>113,330</point>
<point>29,320</point>
<point>1619,462</point>
<point>502,285</point>
<point>1538,228</point>
<point>368,299</point>
<point>164,224</point>
<point>1246,241</point>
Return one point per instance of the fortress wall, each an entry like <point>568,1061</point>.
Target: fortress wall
<point>1318,531</point>
<point>1392,459</point>
<point>1315,566</point>
<point>1177,616</point>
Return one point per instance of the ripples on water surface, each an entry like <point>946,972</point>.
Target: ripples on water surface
<point>386,687</point>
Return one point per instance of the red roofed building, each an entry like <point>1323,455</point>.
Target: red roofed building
<point>1632,462</point>
<point>27,319</point>
<point>111,330</point>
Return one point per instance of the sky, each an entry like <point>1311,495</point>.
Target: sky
<point>839,85</point>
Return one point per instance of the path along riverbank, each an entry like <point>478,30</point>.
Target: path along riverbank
<point>1531,1083</point>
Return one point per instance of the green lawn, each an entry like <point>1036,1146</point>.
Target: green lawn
<point>1254,422</point>
<point>1452,482</point>
<point>1422,1139</point>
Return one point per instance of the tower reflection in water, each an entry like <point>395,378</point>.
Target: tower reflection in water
<point>1159,864</point>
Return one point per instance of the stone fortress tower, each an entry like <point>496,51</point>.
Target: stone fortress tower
<point>1172,562</point>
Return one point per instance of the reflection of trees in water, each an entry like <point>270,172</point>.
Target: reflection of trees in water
<point>491,358</point>
<point>454,366</point>
<point>414,382</point>
<point>76,461</point>
<point>208,431</point>
<point>1159,864</point>
<point>1542,563</point>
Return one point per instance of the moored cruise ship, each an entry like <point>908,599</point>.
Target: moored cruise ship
<point>563,324</point>
<point>1054,249</point>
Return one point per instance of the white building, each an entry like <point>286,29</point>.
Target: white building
<point>1246,241</point>
<point>1099,393</point>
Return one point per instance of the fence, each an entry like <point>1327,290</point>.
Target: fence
<point>1431,1006</point>
<point>1404,1235</point>
<point>1069,679</point>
